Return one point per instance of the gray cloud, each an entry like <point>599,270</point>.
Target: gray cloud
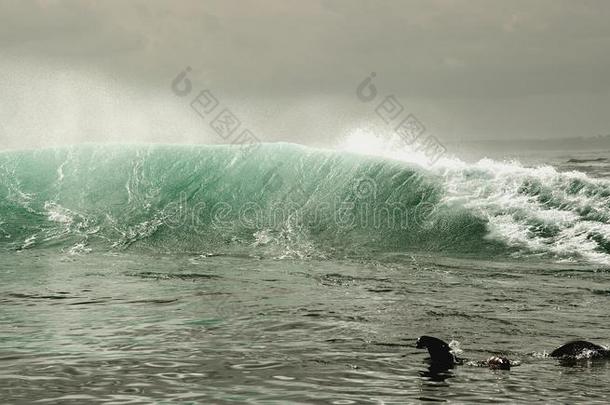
<point>471,69</point>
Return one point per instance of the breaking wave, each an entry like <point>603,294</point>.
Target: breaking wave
<point>295,201</point>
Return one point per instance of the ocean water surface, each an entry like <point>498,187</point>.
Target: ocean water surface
<point>285,274</point>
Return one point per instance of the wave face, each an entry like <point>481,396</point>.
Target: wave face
<point>292,201</point>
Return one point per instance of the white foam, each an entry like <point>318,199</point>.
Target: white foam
<point>537,209</point>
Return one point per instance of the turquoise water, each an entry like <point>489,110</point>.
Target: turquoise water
<point>204,275</point>
<point>187,198</point>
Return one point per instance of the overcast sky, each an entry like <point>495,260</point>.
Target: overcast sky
<point>476,69</point>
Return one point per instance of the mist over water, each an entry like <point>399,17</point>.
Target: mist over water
<point>54,104</point>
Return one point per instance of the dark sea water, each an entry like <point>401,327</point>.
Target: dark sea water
<point>206,275</point>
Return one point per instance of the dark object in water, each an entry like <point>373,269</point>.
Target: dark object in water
<point>442,356</point>
<point>577,348</point>
<point>440,352</point>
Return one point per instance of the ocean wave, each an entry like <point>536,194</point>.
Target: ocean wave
<point>294,201</point>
